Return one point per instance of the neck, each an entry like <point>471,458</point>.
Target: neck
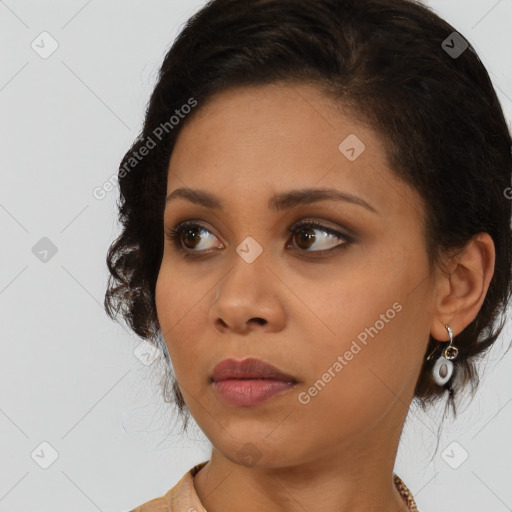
<point>348,480</point>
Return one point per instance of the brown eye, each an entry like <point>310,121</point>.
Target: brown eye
<point>188,236</point>
<point>305,237</point>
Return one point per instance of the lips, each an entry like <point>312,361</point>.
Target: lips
<point>250,382</point>
<point>248,369</point>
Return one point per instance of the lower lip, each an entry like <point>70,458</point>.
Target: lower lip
<point>245,392</point>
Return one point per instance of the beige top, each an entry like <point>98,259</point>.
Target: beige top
<point>183,497</point>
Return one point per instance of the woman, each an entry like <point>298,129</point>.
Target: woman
<point>316,231</point>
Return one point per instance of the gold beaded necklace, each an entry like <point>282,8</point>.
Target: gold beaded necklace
<point>405,493</point>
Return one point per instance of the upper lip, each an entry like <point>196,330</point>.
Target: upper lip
<point>248,369</point>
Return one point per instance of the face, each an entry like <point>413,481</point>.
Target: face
<point>343,304</point>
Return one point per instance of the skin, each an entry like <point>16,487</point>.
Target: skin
<point>336,452</point>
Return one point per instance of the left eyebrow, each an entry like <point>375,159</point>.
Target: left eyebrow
<point>278,202</point>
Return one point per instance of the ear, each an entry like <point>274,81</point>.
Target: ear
<point>462,286</point>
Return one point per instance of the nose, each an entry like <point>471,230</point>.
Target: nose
<point>248,298</point>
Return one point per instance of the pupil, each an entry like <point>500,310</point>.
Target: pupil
<point>190,232</point>
<point>307,235</point>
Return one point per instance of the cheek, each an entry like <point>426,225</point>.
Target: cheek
<point>354,384</point>
<point>176,297</point>
<point>370,317</point>
<point>164,300</point>
<point>171,307</point>
<point>179,304</point>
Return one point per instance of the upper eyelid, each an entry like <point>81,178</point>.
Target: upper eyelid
<point>318,224</point>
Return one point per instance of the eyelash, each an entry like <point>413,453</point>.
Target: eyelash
<point>173,234</point>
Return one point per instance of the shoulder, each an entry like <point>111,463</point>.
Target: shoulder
<point>181,498</point>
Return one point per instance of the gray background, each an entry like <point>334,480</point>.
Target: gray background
<point>74,386</point>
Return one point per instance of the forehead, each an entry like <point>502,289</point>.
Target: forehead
<point>251,142</point>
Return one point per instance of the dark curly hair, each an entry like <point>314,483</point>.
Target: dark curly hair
<point>397,67</point>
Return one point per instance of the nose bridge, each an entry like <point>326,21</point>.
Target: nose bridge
<point>247,291</point>
<point>248,272</point>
